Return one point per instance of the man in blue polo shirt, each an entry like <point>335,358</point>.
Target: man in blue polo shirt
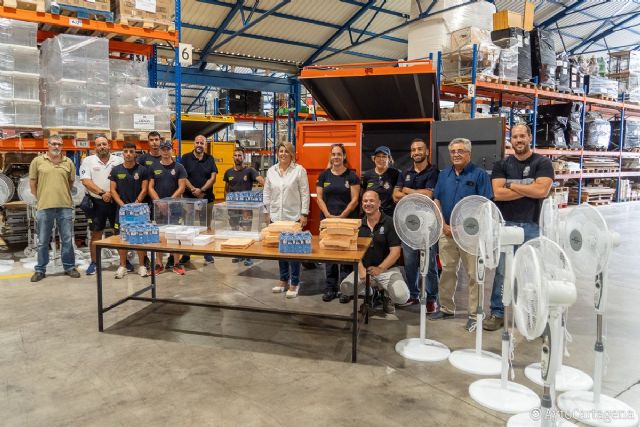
<point>456,182</point>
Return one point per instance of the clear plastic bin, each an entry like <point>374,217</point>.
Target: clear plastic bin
<point>20,113</point>
<point>239,220</point>
<point>189,212</point>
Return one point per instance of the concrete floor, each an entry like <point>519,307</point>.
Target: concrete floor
<point>178,365</point>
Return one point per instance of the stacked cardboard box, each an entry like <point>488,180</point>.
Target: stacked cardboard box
<point>270,235</point>
<point>339,233</point>
<point>148,13</point>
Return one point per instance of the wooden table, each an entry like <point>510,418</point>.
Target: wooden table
<point>257,251</point>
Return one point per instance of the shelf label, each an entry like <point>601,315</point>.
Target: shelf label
<point>81,143</point>
<point>185,51</point>
<point>471,91</point>
<point>146,5</point>
<point>144,121</point>
<point>75,22</point>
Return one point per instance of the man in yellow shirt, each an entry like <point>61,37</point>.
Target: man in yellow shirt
<point>51,177</point>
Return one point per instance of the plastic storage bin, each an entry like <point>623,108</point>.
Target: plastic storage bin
<point>189,212</point>
<point>239,220</point>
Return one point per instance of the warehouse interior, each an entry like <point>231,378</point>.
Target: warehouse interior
<point>216,344</point>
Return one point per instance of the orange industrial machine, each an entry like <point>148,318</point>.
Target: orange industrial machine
<point>384,103</point>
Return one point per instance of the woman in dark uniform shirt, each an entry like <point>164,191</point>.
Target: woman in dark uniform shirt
<point>382,179</point>
<point>338,189</point>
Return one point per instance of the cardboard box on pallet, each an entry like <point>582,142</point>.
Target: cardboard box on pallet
<point>102,5</point>
<point>151,11</point>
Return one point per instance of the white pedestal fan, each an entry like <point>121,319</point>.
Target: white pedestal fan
<point>567,377</point>
<point>418,222</point>
<point>587,240</point>
<point>477,228</point>
<point>543,286</point>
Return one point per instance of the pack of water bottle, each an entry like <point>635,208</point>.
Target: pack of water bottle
<point>245,196</point>
<point>298,242</point>
<point>135,213</point>
<point>139,234</point>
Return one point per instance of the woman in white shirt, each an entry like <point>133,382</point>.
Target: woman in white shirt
<point>286,197</point>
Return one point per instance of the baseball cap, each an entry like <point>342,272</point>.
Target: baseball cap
<point>166,144</point>
<point>382,149</point>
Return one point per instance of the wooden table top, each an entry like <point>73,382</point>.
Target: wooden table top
<point>256,250</point>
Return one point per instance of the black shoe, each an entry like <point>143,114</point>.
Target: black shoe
<point>185,259</point>
<point>344,299</point>
<point>471,325</point>
<point>329,295</point>
<point>37,276</point>
<point>147,262</point>
<point>309,265</point>
<point>493,323</point>
<point>441,315</point>
<point>170,263</point>
<point>72,273</point>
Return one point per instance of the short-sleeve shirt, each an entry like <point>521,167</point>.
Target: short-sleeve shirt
<point>426,179</point>
<point>129,181</point>
<point>165,178</point>
<point>383,185</point>
<point>526,209</point>
<point>94,169</point>
<point>451,187</point>
<point>336,191</point>
<point>384,237</point>
<point>53,181</point>
<point>240,180</point>
<point>147,160</point>
<point>199,172</point>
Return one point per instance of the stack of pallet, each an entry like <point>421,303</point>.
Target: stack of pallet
<point>339,234</point>
<point>592,195</point>
<point>270,235</point>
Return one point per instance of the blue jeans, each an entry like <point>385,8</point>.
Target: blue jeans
<point>412,271</point>
<point>531,231</point>
<point>285,274</point>
<point>64,220</point>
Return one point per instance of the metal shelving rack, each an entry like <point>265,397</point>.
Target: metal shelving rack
<point>508,93</point>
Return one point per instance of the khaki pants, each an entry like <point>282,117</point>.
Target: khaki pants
<point>450,255</point>
<point>391,281</point>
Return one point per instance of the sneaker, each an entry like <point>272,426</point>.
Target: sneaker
<point>432,307</point>
<point>493,323</point>
<point>388,306</point>
<point>178,269</point>
<point>121,272</point>
<point>130,268</point>
<point>209,259</point>
<point>185,259</point>
<point>72,273</point>
<point>329,295</point>
<point>159,269</point>
<point>344,299</point>
<point>248,262</point>
<point>410,301</point>
<point>91,270</point>
<point>37,276</point>
<point>440,315</point>
<point>142,271</point>
<point>147,262</point>
<point>170,263</point>
<point>471,325</point>
<point>236,260</point>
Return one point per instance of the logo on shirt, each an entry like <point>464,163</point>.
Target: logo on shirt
<point>381,230</point>
<point>386,186</point>
<point>408,178</point>
<point>326,184</point>
<point>245,177</point>
<point>346,184</point>
<point>369,185</point>
<point>82,172</point>
<point>121,175</point>
<point>230,178</point>
<point>148,162</point>
<point>526,170</point>
<point>136,176</point>
<point>173,171</point>
<point>157,171</point>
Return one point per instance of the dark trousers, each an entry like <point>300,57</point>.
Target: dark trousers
<point>333,278</point>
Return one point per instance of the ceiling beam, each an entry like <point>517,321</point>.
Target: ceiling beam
<point>378,9</point>
<point>363,9</point>
<point>595,37</point>
<point>560,14</point>
<point>219,31</point>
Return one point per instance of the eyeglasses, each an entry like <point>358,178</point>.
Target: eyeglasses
<point>454,152</point>
<point>56,144</point>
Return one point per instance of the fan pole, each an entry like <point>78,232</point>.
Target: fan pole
<point>506,302</point>
<point>424,264</point>
<point>479,315</point>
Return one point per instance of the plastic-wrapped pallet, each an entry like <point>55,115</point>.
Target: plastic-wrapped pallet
<point>597,132</point>
<point>507,68</point>
<point>19,75</point>
<point>130,72</point>
<point>139,109</point>
<point>516,37</point>
<point>563,77</point>
<point>459,62</point>
<point>75,87</point>
<point>543,57</point>
<point>601,86</point>
<point>631,134</point>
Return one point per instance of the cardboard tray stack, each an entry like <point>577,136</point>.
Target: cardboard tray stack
<point>270,235</point>
<point>339,234</point>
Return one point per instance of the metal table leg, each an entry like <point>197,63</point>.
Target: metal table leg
<point>354,326</point>
<point>153,274</point>
<point>99,281</point>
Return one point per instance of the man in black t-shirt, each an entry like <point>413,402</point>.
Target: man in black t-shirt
<point>381,257</point>
<point>129,184</point>
<point>240,178</point>
<point>420,178</point>
<point>153,156</point>
<point>520,182</point>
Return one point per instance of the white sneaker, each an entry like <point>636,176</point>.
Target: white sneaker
<point>142,271</point>
<point>121,272</point>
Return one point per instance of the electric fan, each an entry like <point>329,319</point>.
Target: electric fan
<point>7,189</point>
<point>475,226</point>
<point>77,191</point>
<point>567,377</point>
<point>588,242</point>
<point>418,222</point>
<point>543,286</point>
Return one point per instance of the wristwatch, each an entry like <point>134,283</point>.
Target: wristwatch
<point>508,185</point>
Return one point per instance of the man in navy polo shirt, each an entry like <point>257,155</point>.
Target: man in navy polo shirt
<point>456,182</point>
<point>420,178</point>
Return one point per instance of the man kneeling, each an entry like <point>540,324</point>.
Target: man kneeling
<point>380,259</point>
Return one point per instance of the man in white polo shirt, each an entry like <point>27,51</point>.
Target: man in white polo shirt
<point>94,173</point>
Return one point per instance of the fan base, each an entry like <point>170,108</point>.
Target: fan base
<point>427,351</point>
<point>567,378</point>
<point>486,363</point>
<point>513,399</point>
<point>532,418</point>
<point>579,405</point>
